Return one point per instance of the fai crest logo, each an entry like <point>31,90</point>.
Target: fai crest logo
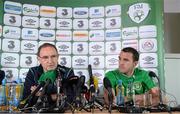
<point>138,12</point>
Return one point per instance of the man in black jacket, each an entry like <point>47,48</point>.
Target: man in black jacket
<point>2,75</point>
<point>48,59</point>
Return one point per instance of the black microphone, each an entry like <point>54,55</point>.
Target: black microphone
<point>108,86</point>
<point>153,75</point>
<point>80,83</point>
<point>91,83</point>
<point>161,106</point>
<point>26,102</point>
<point>48,81</point>
<point>2,75</point>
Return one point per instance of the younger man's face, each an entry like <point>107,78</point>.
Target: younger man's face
<point>126,62</point>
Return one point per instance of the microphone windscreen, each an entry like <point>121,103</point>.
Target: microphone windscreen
<point>51,75</point>
<point>95,82</point>
<point>152,74</point>
<point>107,83</point>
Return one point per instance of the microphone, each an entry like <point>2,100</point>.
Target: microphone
<point>91,83</point>
<point>153,75</point>
<point>78,90</point>
<point>80,83</point>
<point>108,86</point>
<point>26,102</point>
<point>2,75</point>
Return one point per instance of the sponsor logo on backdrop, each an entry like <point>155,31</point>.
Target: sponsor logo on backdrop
<point>96,23</point>
<point>96,35</point>
<point>80,23</point>
<point>28,60</point>
<point>30,21</point>
<point>114,34</point>
<point>12,7</point>
<point>65,61</point>
<point>148,60</point>
<point>80,61</point>
<point>11,74</point>
<point>64,12</point>
<point>10,45</point>
<point>64,24</point>
<point>47,35</point>
<point>96,48</point>
<point>114,10</point>
<point>148,45</point>
<point>29,9</point>
<point>130,33</point>
<point>10,60</point>
<point>96,12</point>
<point>31,34</point>
<point>112,61</point>
<point>147,31</point>
<point>47,11</point>
<point>80,48</point>
<point>10,19</point>
<point>113,47</point>
<point>114,22</point>
<point>63,35</point>
<point>130,43</point>
<point>97,61</point>
<point>64,48</point>
<point>80,35</point>
<point>11,32</point>
<point>139,12</point>
<point>80,12</point>
<point>29,46</point>
<point>48,23</point>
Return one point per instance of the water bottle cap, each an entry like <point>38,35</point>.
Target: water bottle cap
<point>120,82</point>
<point>4,81</point>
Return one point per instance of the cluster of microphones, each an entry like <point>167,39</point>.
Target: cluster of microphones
<point>85,98</point>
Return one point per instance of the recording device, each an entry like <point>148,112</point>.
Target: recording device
<point>27,102</point>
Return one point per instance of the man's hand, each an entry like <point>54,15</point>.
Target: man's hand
<point>33,88</point>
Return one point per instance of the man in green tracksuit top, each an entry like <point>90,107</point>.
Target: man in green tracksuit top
<point>127,72</point>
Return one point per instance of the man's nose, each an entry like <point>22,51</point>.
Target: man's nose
<point>50,59</point>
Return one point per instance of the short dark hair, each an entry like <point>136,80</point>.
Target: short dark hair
<point>46,45</point>
<point>133,51</point>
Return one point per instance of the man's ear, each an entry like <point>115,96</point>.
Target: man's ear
<point>135,63</point>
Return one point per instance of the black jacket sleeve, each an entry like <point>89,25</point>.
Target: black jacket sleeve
<point>30,80</point>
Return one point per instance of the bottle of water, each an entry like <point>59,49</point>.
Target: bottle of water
<point>130,92</point>
<point>2,96</point>
<point>119,93</point>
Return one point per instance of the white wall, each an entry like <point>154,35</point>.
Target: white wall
<point>172,75</point>
<point>171,6</point>
<point>172,40</point>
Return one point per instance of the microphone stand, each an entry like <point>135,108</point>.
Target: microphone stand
<point>93,101</point>
<point>161,106</point>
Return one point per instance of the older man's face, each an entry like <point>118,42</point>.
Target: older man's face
<point>48,58</point>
